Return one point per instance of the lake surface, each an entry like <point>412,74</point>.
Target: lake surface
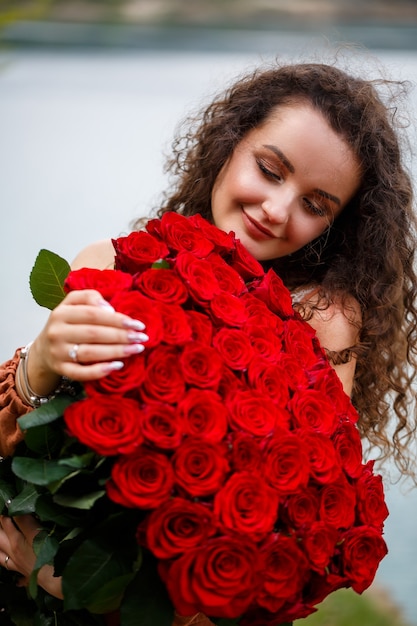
<point>81,154</point>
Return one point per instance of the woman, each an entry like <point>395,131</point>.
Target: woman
<point>303,163</point>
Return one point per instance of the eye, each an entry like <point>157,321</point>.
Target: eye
<point>268,171</point>
<point>314,208</point>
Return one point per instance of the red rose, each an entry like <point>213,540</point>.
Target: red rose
<point>324,461</point>
<point>201,366</point>
<point>228,309</point>
<point>285,571</point>
<point>362,550</point>
<point>271,380</point>
<point>164,381</point>
<point>286,463</point>
<point>163,285</point>
<point>177,329</point>
<point>141,308</point>
<point>302,508</point>
<point>260,315</point>
<point>217,578</point>
<point>228,279</point>
<point>161,425</point>
<point>143,480</point>
<point>119,382</point>
<point>295,375</point>
<point>245,452</point>
<point>204,414</point>
<point>266,343</point>
<point>244,263</point>
<point>178,526</point>
<point>298,341</point>
<point>234,347</point>
<point>230,383</point>
<point>347,442</point>
<point>200,467</point>
<point>107,282</point>
<point>108,425</point>
<point>337,504</point>
<point>251,412</point>
<point>246,504</point>
<point>319,542</point>
<point>137,251</point>
<point>199,277</point>
<point>320,586</point>
<point>326,382</point>
<point>223,242</point>
<point>273,292</point>
<point>372,508</point>
<point>311,409</point>
<point>201,327</point>
<point>179,233</point>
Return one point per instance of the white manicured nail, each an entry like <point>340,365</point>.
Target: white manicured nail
<point>134,324</point>
<point>114,365</point>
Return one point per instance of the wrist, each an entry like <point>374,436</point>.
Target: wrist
<point>33,397</point>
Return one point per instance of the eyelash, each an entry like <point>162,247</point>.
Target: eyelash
<point>315,209</point>
<point>267,172</point>
<point>312,208</point>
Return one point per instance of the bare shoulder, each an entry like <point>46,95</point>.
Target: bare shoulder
<point>338,325</point>
<point>98,255</point>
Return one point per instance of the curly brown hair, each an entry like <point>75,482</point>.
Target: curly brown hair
<point>368,252</point>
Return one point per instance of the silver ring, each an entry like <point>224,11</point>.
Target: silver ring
<point>6,560</point>
<point>73,352</point>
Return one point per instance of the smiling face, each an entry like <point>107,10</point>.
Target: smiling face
<point>285,182</point>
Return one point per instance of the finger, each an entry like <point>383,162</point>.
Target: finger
<point>98,334</point>
<point>94,316</point>
<point>25,525</point>
<point>90,303</point>
<point>6,561</point>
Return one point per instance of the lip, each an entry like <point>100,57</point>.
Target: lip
<point>256,227</point>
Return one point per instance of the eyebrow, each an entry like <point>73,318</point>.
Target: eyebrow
<point>291,168</point>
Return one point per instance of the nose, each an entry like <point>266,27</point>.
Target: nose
<point>278,206</point>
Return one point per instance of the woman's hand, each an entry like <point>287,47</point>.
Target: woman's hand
<point>83,339</point>
<point>17,555</point>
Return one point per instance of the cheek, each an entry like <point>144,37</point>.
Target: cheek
<point>307,229</point>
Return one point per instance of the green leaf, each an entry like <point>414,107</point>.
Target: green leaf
<point>48,412</point>
<point>41,472</point>
<point>146,602</point>
<point>48,511</point>
<point>96,565</point>
<point>24,502</point>
<point>45,547</point>
<point>84,502</point>
<point>7,492</point>
<point>80,461</point>
<point>47,279</point>
<point>160,265</point>
<point>46,440</point>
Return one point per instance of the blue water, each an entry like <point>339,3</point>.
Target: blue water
<point>81,154</point>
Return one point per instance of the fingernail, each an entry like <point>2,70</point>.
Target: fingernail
<point>134,324</point>
<point>134,337</point>
<point>114,365</point>
<point>134,348</point>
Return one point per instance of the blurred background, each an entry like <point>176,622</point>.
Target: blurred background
<point>91,93</point>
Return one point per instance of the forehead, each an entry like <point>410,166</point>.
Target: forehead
<point>301,138</point>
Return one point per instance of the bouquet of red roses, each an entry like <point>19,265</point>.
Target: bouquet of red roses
<point>230,434</point>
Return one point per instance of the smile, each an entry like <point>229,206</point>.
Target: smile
<point>255,228</point>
